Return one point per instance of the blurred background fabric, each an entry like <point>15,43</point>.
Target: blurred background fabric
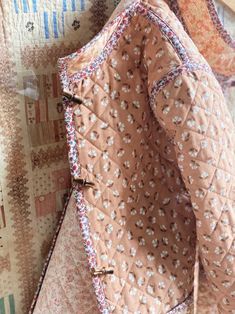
<point>34,173</point>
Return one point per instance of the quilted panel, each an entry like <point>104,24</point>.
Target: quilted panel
<point>204,144</point>
<point>67,286</point>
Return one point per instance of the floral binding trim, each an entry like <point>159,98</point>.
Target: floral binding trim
<point>89,249</point>
<point>123,21</point>
<point>183,306</point>
<point>188,67</point>
<point>71,139</point>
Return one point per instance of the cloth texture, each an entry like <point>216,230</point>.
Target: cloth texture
<point>154,136</point>
<point>35,179</point>
<point>35,176</point>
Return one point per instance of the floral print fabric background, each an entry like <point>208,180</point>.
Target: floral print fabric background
<point>34,176</point>
<point>34,170</point>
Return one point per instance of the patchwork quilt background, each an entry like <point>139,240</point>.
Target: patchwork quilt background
<point>34,174</point>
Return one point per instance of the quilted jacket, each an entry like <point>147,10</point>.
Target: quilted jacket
<point>151,150</point>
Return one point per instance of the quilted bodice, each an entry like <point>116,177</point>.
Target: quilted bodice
<point>145,91</point>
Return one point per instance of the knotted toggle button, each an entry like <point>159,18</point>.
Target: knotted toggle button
<point>101,272</point>
<point>72,97</point>
<point>84,182</point>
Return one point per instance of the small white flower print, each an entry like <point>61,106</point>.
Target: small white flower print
<point>193,152</point>
<point>161,285</point>
<point>90,168</point>
<point>92,153</point>
<point>104,257</point>
<point>165,241</point>
<point>140,281</point>
<point>141,241</point>
<point>131,277</point>
<point>178,82</point>
<point>106,203</point>
<point>218,250</point>
<point>137,50</point>
<point>114,63</point>
<point>88,102</point>
<point>127,139</point>
<point>106,89</point>
<point>107,166</point>
<point>150,272</point>
<point>78,112</point>
<point>204,175</point>
<point>120,248</point>
<point>100,217</point>
<point>97,194</point>
<point>109,183</point>
<point>104,125</point>
<point>108,244</point>
<point>95,89</point>
<point>164,254</point>
<point>113,215</point>
<point>166,109</point>
<point>195,109</point>
<point>126,88</point>
<point>139,89</point>
<point>94,135</point>
<point>124,266</point>
<point>185,136</point>
<point>136,104</point>
<point>160,53</point>
<point>117,76</point>
<point>139,224</point>
<point>155,243</point>
<point>99,74</point>
<point>82,129</point>
<point>121,205</point>
<point>150,289</point>
<point>81,143</point>
<point>105,155</point>
<point>125,56</point>
<point>130,118</point>
<point>116,193</point>
<point>104,102</point>
<point>166,93</point>
<point>96,236</point>
<point>114,94</point>
<point>133,252</point>
<point>120,232</point>
<point>128,38</point>
<point>133,291</point>
<point>179,103</point>
<point>161,212</point>
<point>117,173</point>
<point>121,127</point>
<point>177,120</point>
<point>129,74</point>
<point>150,231</point>
<point>109,228</point>
<point>191,123</point>
<point>150,257</point>
<point>110,140</point>
<point>133,211</point>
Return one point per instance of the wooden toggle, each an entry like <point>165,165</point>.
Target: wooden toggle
<point>101,272</point>
<point>72,97</point>
<point>84,182</point>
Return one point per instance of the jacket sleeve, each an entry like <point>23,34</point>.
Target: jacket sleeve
<point>192,111</point>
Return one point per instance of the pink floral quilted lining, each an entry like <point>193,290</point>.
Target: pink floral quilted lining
<point>185,71</point>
